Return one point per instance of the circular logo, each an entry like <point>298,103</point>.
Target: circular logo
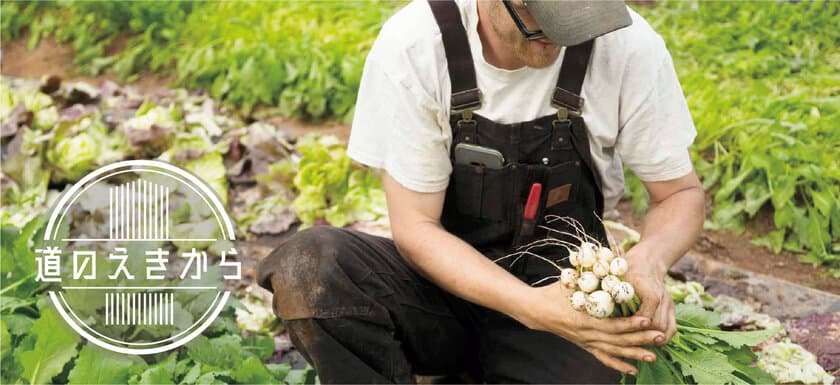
<point>140,254</point>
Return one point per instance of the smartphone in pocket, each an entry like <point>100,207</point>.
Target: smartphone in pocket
<point>470,154</point>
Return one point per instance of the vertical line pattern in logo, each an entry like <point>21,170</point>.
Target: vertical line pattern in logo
<point>155,210</point>
<point>166,212</point>
<point>138,210</point>
<point>145,204</point>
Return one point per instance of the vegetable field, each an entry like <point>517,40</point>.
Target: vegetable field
<point>763,83</point>
<point>762,80</point>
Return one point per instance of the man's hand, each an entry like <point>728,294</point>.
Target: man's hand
<point>549,309</point>
<point>670,228</point>
<point>647,274</point>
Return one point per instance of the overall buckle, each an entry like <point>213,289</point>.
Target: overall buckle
<point>566,103</point>
<point>467,127</point>
<point>465,102</point>
<point>559,127</point>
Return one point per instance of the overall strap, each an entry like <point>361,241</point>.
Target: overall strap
<point>466,96</point>
<point>568,102</point>
<point>566,96</point>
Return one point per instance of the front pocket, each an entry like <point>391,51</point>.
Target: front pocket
<point>497,193</point>
<point>484,193</point>
<point>468,180</point>
<point>562,185</point>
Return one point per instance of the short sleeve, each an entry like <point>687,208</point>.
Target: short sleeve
<point>656,128</point>
<point>396,127</point>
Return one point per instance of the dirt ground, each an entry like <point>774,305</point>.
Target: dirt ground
<point>50,58</point>
<point>735,249</point>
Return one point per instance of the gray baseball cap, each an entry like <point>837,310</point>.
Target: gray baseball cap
<point>571,22</point>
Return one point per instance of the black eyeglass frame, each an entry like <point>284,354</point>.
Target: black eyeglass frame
<point>526,33</point>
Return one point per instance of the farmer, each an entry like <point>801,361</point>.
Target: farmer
<point>467,108</point>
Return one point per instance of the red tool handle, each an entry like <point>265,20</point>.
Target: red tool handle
<point>533,201</point>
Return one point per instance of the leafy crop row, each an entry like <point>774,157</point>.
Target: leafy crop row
<point>303,58</point>
<point>763,83</point>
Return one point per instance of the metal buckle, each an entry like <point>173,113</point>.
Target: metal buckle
<point>565,100</point>
<point>463,101</point>
<point>466,117</point>
<point>561,123</point>
<point>562,117</point>
<point>562,114</point>
<point>467,125</point>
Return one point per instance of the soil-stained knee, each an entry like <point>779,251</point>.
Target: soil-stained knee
<point>304,273</point>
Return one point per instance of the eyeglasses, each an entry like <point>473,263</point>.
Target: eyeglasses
<point>526,33</point>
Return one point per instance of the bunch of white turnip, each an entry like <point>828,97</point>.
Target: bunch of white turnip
<point>596,275</point>
<point>596,279</point>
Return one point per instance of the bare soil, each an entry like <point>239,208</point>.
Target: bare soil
<point>735,249</point>
<point>297,127</point>
<point>51,58</point>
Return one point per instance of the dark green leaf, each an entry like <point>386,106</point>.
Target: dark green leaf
<point>696,316</point>
<point>252,371</point>
<point>95,366</point>
<point>55,346</point>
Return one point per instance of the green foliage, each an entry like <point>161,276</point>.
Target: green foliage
<point>329,185</point>
<point>148,27</point>
<point>55,346</point>
<point>701,353</point>
<point>303,58</point>
<point>97,367</point>
<point>763,84</point>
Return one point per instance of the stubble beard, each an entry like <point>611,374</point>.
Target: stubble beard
<point>536,57</point>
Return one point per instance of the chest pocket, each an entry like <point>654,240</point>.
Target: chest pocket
<point>486,205</point>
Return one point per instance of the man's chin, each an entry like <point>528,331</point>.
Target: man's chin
<point>541,62</point>
<point>542,59</point>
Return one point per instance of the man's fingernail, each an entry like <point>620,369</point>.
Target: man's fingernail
<point>645,323</point>
<point>649,358</point>
<point>632,372</point>
<point>659,339</point>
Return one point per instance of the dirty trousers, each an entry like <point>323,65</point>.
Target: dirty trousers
<point>359,314</point>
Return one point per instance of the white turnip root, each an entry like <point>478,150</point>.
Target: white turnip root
<point>588,255</point>
<point>624,292</point>
<point>605,255</point>
<point>578,300</point>
<point>599,304</point>
<point>601,268</point>
<point>609,283</point>
<point>618,266</point>
<point>569,277</point>
<point>573,258</point>
<point>588,281</point>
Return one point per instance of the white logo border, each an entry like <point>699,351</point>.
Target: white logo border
<point>217,206</point>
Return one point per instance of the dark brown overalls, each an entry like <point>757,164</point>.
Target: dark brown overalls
<point>360,314</point>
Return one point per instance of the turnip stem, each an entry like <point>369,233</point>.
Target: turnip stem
<point>633,307</point>
<point>624,311</point>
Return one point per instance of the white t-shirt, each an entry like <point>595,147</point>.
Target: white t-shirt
<point>634,106</point>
